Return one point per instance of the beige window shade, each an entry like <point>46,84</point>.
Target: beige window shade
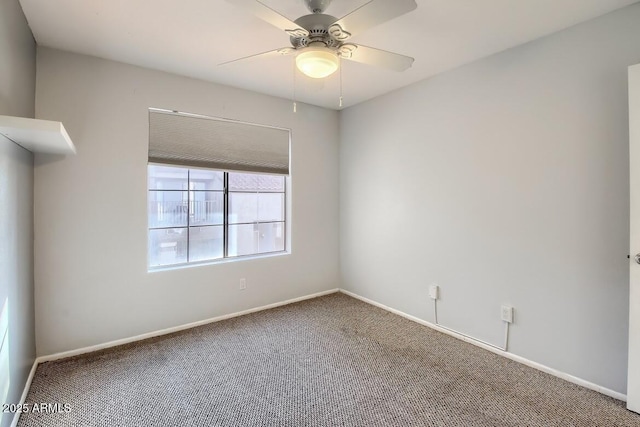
<point>191,140</point>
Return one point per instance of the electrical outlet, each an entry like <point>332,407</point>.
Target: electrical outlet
<point>243,284</point>
<point>434,291</point>
<point>507,313</point>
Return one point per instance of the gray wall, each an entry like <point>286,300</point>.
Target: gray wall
<point>17,94</point>
<point>91,279</point>
<point>503,181</point>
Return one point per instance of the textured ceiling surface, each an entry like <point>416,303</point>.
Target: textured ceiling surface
<point>192,37</point>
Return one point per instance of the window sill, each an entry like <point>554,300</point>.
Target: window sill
<point>161,268</point>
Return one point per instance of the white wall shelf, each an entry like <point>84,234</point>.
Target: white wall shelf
<point>37,136</point>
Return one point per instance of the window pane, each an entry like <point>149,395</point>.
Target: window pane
<point>271,183</point>
<point>206,208</point>
<point>271,237</point>
<point>167,246</point>
<point>167,209</point>
<point>167,178</point>
<point>243,207</point>
<point>255,182</point>
<point>201,179</point>
<point>205,243</point>
<point>247,239</point>
<point>243,182</point>
<point>271,207</point>
<point>243,239</point>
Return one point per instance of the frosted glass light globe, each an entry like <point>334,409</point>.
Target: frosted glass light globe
<point>317,62</point>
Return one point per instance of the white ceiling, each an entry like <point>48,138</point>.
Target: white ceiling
<point>191,37</point>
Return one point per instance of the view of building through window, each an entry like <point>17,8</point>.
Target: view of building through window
<point>198,215</point>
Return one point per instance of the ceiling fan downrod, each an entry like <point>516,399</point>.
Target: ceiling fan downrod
<point>317,6</point>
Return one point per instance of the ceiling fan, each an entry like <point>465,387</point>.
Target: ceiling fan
<point>319,40</point>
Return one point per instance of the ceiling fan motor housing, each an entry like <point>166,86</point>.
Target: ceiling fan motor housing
<point>318,27</point>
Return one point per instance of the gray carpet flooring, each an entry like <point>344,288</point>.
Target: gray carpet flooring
<point>330,361</point>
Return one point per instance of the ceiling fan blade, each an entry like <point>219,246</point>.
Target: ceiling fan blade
<point>269,15</point>
<point>277,52</point>
<point>377,57</point>
<point>369,15</point>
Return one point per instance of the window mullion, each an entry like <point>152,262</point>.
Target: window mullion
<point>225,217</point>
<point>188,212</point>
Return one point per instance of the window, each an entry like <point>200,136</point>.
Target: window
<point>217,188</point>
<point>198,215</point>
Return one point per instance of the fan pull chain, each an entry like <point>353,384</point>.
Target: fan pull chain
<point>295,104</point>
<point>340,64</point>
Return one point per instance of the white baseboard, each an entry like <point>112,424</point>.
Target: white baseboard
<point>90,349</point>
<point>520,359</point>
<point>23,397</point>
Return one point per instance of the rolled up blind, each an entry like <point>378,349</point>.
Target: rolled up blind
<point>192,140</point>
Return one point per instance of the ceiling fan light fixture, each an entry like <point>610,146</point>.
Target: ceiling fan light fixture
<point>317,62</point>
